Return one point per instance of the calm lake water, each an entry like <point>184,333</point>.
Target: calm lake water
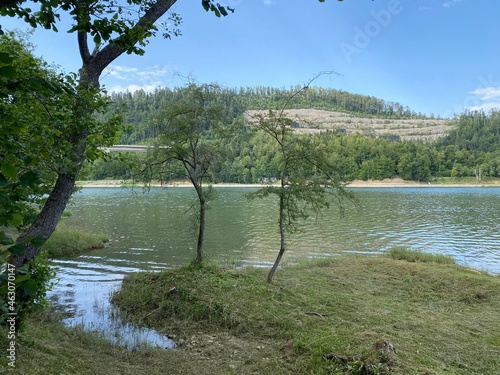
<point>153,230</point>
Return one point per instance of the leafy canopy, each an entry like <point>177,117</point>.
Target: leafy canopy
<point>105,20</point>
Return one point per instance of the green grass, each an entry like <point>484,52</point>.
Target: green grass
<point>45,346</point>
<point>325,317</point>
<point>402,253</point>
<point>70,242</point>
<point>440,318</point>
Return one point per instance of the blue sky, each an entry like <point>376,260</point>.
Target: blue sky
<point>435,56</point>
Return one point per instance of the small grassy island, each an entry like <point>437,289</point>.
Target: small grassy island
<point>392,314</point>
<point>71,242</point>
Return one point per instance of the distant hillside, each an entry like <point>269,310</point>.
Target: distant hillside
<point>363,137</point>
<point>317,120</point>
<point>317,110</point>
<point>475,132</point>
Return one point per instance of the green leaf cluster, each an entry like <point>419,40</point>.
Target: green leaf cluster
<point>23,140</point>
<point>105,21</point>
<point>216,8</point>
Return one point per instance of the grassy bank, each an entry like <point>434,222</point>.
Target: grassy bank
<point>329,317</point>
<point>64,242</point>
<point>45,347</point>
<point>69,242</point>
<point>402,253</point>
<point>340,316</point>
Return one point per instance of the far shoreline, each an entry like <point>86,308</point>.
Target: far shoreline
<point>387,183</point>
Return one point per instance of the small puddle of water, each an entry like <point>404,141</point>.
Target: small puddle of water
<point>83,294</point>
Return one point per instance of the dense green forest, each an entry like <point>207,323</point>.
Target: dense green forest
<point>472,148</point>
<point>141,106</point>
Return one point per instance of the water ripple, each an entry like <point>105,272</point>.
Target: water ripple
<point>153,232</point>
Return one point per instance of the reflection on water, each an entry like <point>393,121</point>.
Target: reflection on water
<point>152,231</point>
<point>82,295</point>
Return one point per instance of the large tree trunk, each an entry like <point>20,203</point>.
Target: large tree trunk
<point>46,221</point>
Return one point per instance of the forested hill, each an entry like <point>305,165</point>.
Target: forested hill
<point>317,110</point>
<point>475,132</point>
<point>364,137</point>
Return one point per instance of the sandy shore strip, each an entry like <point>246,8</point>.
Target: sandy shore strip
<point>387,183</point>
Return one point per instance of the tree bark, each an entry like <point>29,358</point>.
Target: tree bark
<point>46,221</point>
<point>201,232</point>
<point>270,275</point>
<point>197,184</point>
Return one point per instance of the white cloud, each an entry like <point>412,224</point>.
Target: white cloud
<point>122,78</point>
<point>450,3</point>
<point>154,71</point>
<point>124,69</point>
<point>269,2</point>
<point>120,72</point>
<point>487,98</point>
<point>486,107</point>
<point>487,93</point>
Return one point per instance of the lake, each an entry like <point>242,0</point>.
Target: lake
<point>153,230</point>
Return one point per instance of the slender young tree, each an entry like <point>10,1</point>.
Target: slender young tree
<point>307,183</point>
<point>184,129</point>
